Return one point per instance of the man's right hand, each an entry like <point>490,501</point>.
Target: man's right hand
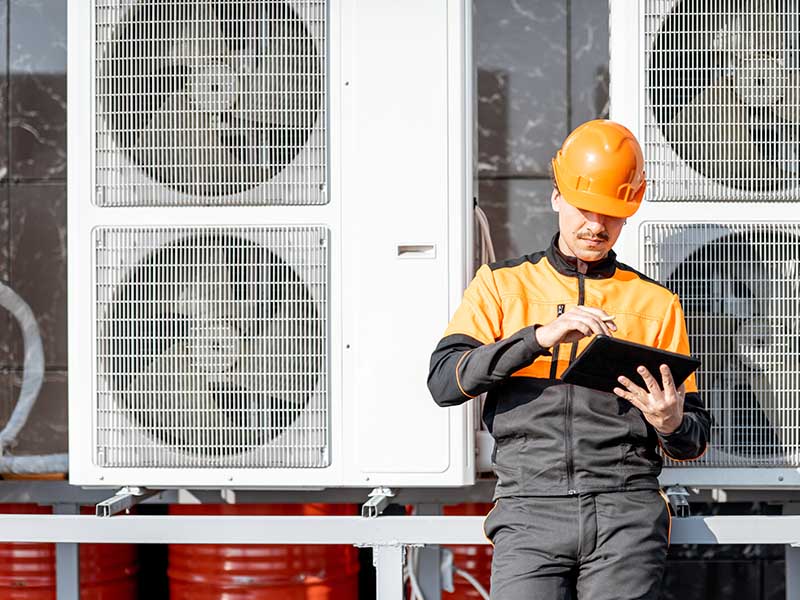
<point>575,324</point>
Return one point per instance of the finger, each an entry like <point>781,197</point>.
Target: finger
<point>667,381</point>
<point>649,381</point>
<point>633,388</point>
<point>574,323</point>
<point>597,326</point>
<point>600,314</point>
<point>632,398</point>
<point>580,326</point>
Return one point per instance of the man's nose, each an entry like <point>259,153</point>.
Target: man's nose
<point>595,221</point>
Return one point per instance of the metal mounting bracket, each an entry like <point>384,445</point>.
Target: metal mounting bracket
<point>377,502</point>
<point>124,499</point>
<point>678,498</point>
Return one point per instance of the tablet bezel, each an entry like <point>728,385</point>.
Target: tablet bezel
<point>604,351</point>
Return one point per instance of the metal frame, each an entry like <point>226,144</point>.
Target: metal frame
<point>388,536</point>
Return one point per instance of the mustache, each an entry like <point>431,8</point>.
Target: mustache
<point>588,235</point>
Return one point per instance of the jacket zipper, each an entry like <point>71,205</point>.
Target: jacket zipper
<point>554,359</point>
<point>581,299</point>
<point>568,407</point>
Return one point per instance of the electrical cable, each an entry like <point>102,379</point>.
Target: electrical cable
<point>474,582</point>
<point>487,253</point>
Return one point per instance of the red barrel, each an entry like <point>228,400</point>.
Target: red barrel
<point>475,560</point>
<point>28,571</point>
<point>261,572</point>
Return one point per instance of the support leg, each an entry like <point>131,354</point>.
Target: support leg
<point>792,572</point>
<point>388,561</point>
<point>429,572</point>
<point>67,561</point>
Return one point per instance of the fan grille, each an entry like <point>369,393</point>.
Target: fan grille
<point>722,100</point>
<point>210,102</point>
<point>739,285</point>
<point>211,347</point>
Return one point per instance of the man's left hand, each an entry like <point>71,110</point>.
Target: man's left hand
<point>662,406</point>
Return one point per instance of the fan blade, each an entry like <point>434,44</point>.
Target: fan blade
<point>186,149</point>
<point>278,64</point>
<point>719,136</point>
<point>168,398</point>
<point>136,75</point>
<point>206,295</point>
<point>178,137</point>
<point>200,41</point>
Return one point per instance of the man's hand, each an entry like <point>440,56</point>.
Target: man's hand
<point>663,408</point>
<point>575,324</point>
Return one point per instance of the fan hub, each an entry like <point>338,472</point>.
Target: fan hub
<point>761,80</point>
<point>214,347</point>
<point>213,87</point>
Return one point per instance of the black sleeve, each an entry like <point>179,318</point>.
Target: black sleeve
<point>690,439</point>
<point>462,367</point>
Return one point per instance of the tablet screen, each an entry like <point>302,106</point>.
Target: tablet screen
<point>606,358</point>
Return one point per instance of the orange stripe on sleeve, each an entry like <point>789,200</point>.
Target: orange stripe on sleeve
<point>458,374</point>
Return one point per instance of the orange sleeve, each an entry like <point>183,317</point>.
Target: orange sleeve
<point>480,314</point>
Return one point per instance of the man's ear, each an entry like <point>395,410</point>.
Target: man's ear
<point>554,200</point>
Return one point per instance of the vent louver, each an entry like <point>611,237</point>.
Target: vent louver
<point>212,347</point>
<point>203,102</point>
<point>722,100</point>
<point>740,289</point>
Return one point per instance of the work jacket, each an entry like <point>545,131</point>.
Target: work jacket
<point>553,438</point>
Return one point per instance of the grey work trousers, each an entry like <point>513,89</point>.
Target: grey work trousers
<point>604,546</point>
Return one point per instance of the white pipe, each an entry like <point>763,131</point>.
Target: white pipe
<point>32,376</point>
<point>31,465</point>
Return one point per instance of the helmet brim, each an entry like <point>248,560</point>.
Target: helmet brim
<point>598,203</point>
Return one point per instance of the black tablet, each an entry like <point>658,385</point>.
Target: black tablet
<point>606,358</point>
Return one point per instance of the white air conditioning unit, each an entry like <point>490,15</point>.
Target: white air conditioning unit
<point>270,212</point>
<point>712,90</point>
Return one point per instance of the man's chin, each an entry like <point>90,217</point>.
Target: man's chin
<point>591,254</point>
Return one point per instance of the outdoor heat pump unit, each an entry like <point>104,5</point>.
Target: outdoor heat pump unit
<point>270,212</point>
<point>712,89</point>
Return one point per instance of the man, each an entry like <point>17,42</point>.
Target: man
<point>578,508</point>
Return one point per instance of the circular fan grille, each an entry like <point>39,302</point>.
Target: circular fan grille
<point>743,312</point>
<point>211,98</point>
<point>213,345</point>
<point>723,80</point>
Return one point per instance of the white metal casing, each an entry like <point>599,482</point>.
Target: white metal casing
<point>628,106</point>
<point>400,181</point>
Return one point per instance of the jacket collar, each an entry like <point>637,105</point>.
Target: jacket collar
<point>573,266</point>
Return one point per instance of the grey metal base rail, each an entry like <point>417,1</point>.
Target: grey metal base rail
<point>388,536</point>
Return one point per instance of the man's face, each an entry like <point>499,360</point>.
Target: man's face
<point>584,234</point>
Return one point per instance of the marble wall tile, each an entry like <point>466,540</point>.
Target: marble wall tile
<point>45,431</point>
<point>521,52</point>
<point>3,90</point>
<point>38,255</point>
<point>37,89</point>
<point>588,60</point>
<point>520,215</point>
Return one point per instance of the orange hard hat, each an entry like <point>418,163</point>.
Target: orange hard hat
<point>600,168</point>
